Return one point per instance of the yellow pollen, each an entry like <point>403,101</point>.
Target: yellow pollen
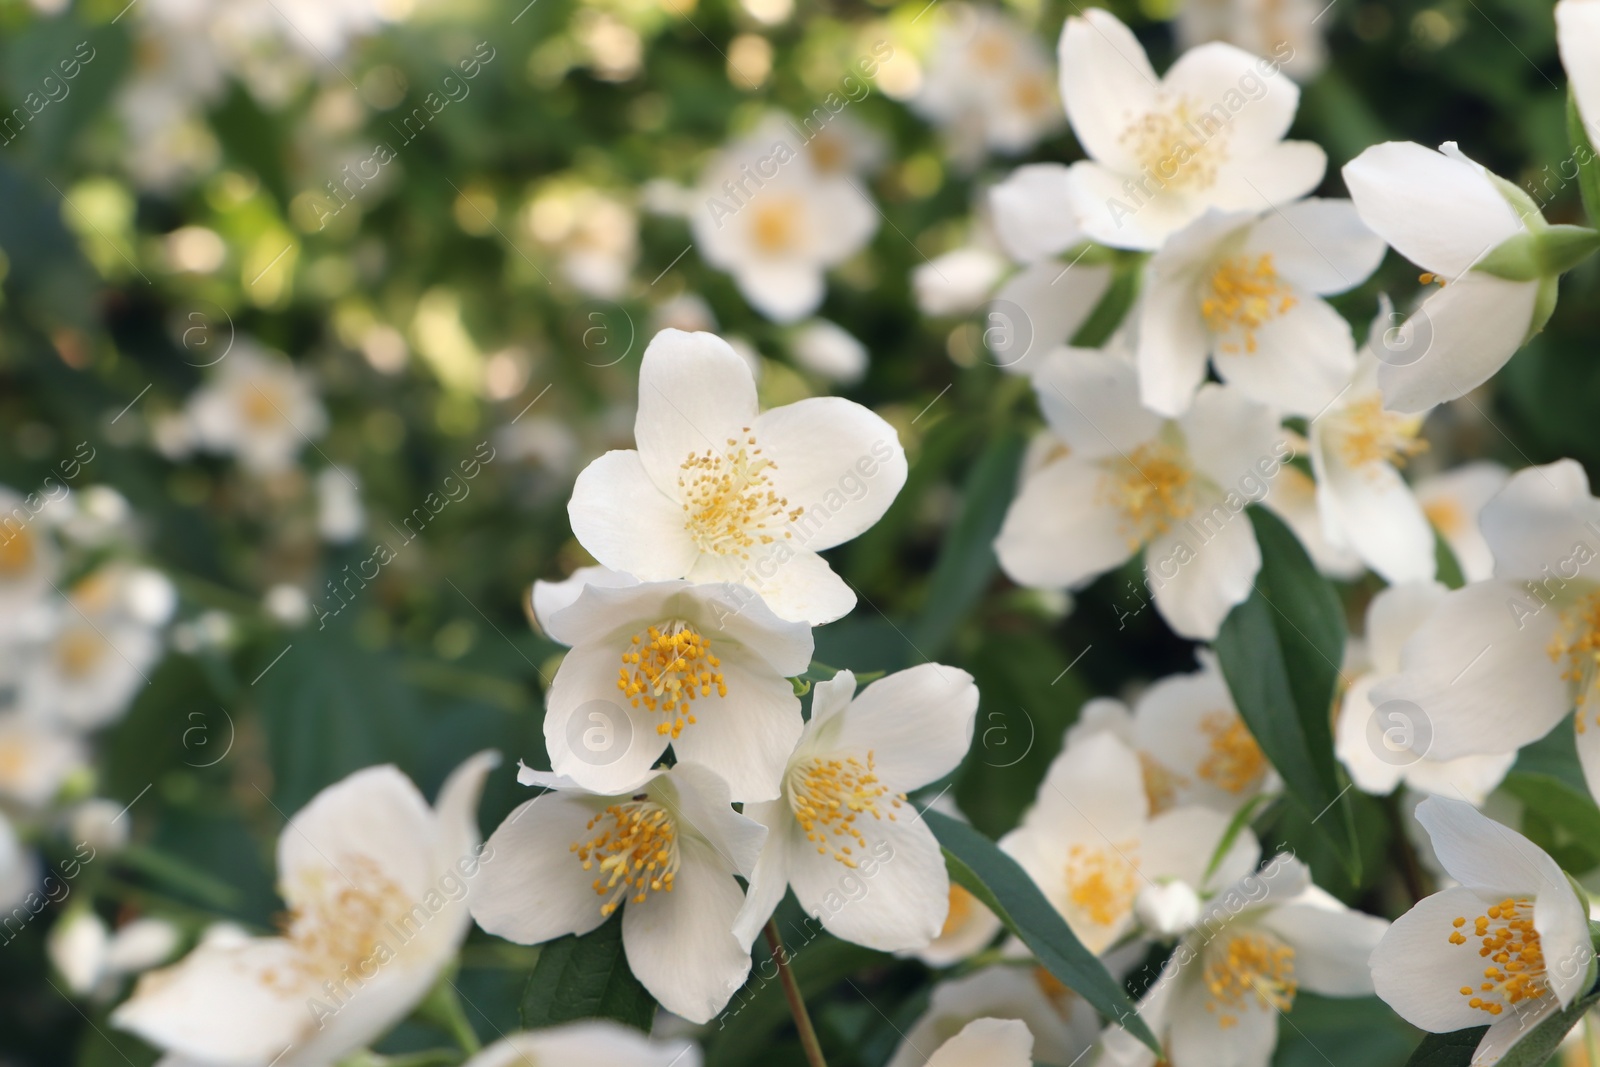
<point>1447,516</point>
<point>16,552</point>
<point>1234,761</point>
<point>1364,434</point>
<point>77,650</point>
<point>1507,939</point>
<point>1031,93</point>
<point>1245,294</point>
<point>1178,145</point>
<point>829,794</point>
<point>636,852</point>
<point>1249,964</point>
<point>962,906</point>
<point>260,406</point>
<point>1161,783</point>
<point>1102,882</point>
<point>341,917</point>
<point>775,225</point>
<point>1578,643</point>
<point>1152,487</point>
<point>991,50</point>
<point>729,505</point>
<point>1429,278</point>
<point>829,153</point>
<point>665,669</point>
<point>14,758</point>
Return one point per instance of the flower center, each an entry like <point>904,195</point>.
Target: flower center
<point>828,795</point>
<point>829,152</point>
<point>728,501</point>
<point>991,50</point>
<point>78,650</point>
<point>14,753</point>
<point>637,852</point>
<point>1250,963</point>
<point>962,907</point>
<point>260,406</point>
<point>1179,145</point>
<point>343,916</point>
<point>1447,516</point>
<point>1233,761</point>
<point>1509,942</point>
<point>1031,94</point>
<point>1578,643</point>
<point>1245,293</point>
<point>1153,488</point>
<point>775,227</point>
<point>1365,433</point>
<point>1101,882</point>
<point>1161,783</point>
<point>16,553</point>
<point>665,668</point>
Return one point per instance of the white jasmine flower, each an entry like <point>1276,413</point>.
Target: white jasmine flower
<point>1246,291</point>
<point>1382,747</point>
<point>1163,150</point>
<point>986,1043</point>
<point>592,1042</point>
<point>258,407</point>
<point>1091,843</point>
<point>1452,501</point>
<point>1217,1001</point>
<point>1444,213</point>
<point>1003,991</point>
<point>703,668</point>
<point>719,492</point>
<point>776,223</point>
<point>1358,447</point>
<point>1506,947</point>
<point>1286,30</point>
<point>1132,480</point>
<point>1497,664</point>
<point>987,85</point>
<point>93,960</point>
<point>664,852</point>
<point>37,756</point>
<point>859,857</point>
<point>825,348</point>
<point>958,282</point>
<point>375,881</point>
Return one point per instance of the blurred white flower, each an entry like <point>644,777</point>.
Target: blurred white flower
<point>958,282</point>
<point>375,882</point>
<point>259,407</point>
<point>988,85</point>
<point>1091,843</point>
<point>1245,291</point>
<point>98,823</point>
<point>664,852</point>
<point>93,959</point>
<point>1162,151</point>
<point>341,517</point>
<point>592,1043</point>
<point>1382,747</point>
<point>36,759</point>
<point>287,604</point>
<point>30,560</point>
<point>1578,35</point>
<point>1293,498</point>
<point>594,234</point>
<point>697,667</point>
<point>1526,923</point>
<point>830,350</point>
<point>772,220</point>
<point>1004,991</point>
<point>720,492</point>
<point>1286,30</point>
<point>1452,500</point>
<point>986,1043</point>
<point>878,881</point>
<point>19,868</point>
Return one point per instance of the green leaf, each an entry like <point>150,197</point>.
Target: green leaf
<point>967,562</point>
<point>1447,566</point>
<point>1530,256</point>
<point>1280,652</point>
<point>586,977</point>
<point>1583,155</point>
<point>1114,305</point>
<point>978,865</point>
<point>1447,1050</point>
<point>1550,806</point>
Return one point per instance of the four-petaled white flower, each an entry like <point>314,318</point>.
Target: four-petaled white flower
<point>664,853</point>
<point>1498,664</point>
<point>376,883</point>
<point>1163,150</point>
<point>1444,213</point>
<point>858,855</point>
<point>257,406</point>
<point>1506,947</point>
<point>1130,479</point>
<point>1246,290</point>
<point>1379,745</point>
<point>721,492</point>
<point>703,668</point>
<point>1091,845</point>
<point>591,1042</point>
<point>1253,948</point>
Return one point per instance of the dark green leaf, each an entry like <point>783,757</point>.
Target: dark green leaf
<point>1280,652</point>
<point>1107,315</point>
<point>586,978</point>
<point>1447,1050</point>
<point>1449,568</point>
<point>1005,888</point>
<point>1541,1043</point>
<point>1584,156</point>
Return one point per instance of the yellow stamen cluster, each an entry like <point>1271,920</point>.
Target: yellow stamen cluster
<point>1101,882</point>
<point>341,919</point>
<point>1578,642</point>
<point>1244,294</point>
<point>1152,486</point>
<point>665,669</point>
<point>77,650</point>
<point>775,225</point>
<point>1179,145</point>
<point>16,552</point>
<point>1032,93</point>
<point>1233,761</point>
<point>637,853</point>
<point>1364,433</point>
<point>728,503</point>
<point>1249,963</point>
<point>1161,783</point>
<point>261,406</point>
<point>1446,515</point>
<point>962,906</point>
<point>828,795</point>
<point>1508,940</point>
<point>991,50</point>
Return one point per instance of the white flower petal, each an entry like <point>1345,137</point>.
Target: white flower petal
<point>1174,341</point>
<point>1375,514</point>
<point>373,817</point>
<point>1091,401</point>
<point>1040,307</point>
<point>1106,82</point>
<point>1213,75</point>
<point>594,734</point>
<point>987,1043</point>
<point>531,888</point>
<point>745,737</point>
<point>1394,615</point>
<point>1195,596</point>
<point>769,879</point>
<point>1420,974</point>
<point>627,522</point>
<point>1113,215</point>
<point>917,722</point>
<point>1276,174</point>
<point>1332,946</point>
<point>895,897</point>
<point>794,585</point>
<point>1322,246</point>
<point>1231,436</point>
<point>1468,330</point>
<point>547,598</point>
<point>1033,216</point>
<point>1453,502</point>
<point>1056,535</point>
<point>782,291</point>
<point>1533,524</point>
<point>1179,844</point>
<point>591,1042</point>
<point>1488,857</point>
<point>996,992</point>
<point>1577,33</point>
<point>1199,1039</point>
<point>1302,360</point>
<point>1507,1031</point>
<point>695,392</point>
<point>1353,746</point>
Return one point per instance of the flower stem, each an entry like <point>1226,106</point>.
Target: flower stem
<point>791,992</point>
